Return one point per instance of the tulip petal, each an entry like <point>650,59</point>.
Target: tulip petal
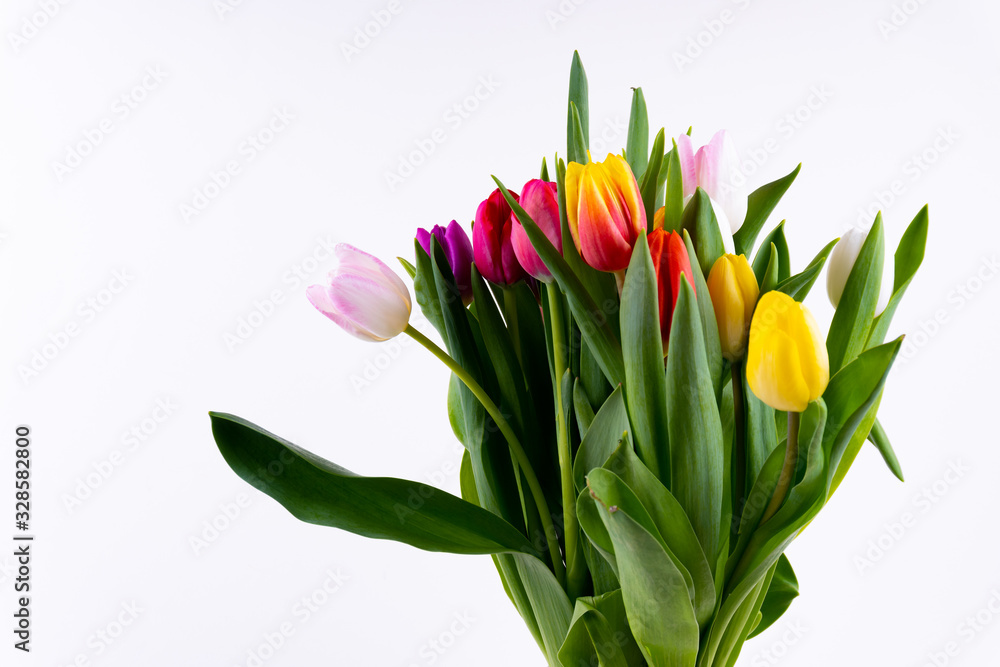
<point>369,305</point>
<point>319,297</point>
<point>689,175</point>
<point>718,167</point>
<point>775,374</point>
<point>359,263</point>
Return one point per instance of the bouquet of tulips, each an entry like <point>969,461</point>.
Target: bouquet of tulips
<point>649,417</point>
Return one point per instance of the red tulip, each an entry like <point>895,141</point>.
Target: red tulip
<point>670,257</point>
<point>491,241</point>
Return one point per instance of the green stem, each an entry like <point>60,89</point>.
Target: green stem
<point>516,449</point>
<point>739,446</point>
<point>575,574</point>
<point>787,468</point>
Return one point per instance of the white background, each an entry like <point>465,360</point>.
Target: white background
<point>879,99</point>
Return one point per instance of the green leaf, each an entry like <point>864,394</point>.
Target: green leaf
<point>880,439</point>
<point>674,192</point>
<point>317,491</point>
<point>761,435</point>
<point>695,428</point>
<point>424,290</point>
<point>909,255</point>
<point>592,320</point>
<point>852,321</point>
<point>581,408</point>
<point>766,253</point>
<point>672,523</point>
<point>544,174</point>
<point>577,137</point>
<point>602,438</point>
<point>649,184</point>
<point>638,134</point>
<point>783,589</point>
<point>760,204</point>
<point>769,280</point>
<point>581,123</point>
<point>656,595</point>
<point>798,286</point>
<point>409,268</point>
<point>700,222</point>
<point>642,350</point>
<point>550,605</point>
<point>599,634</point>
<point>713,346</point>
<point>853,396</point>
<point>589,515</point>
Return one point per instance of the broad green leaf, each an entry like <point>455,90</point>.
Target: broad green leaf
<point>592,320</point>
<point>642,351</point>
<point>602,438</point>
<point>581,408</point>
<point>589,514</point>
<point>649,184</point>
<point>760,204</point>
<point>672,523</point>
<point>761,436</point>
<point>766,253</point>
<point>317,491</point>
<point>713,347</point>
<point>700,222</point>
<point>783,589</point>
<point>739,626</point>
<point>909,255</point>
<point>880,439</point>
<point>638,134</point>
<point>798,286</point>
<point>695,428</point>
<point>592,380</point>
<point>599,634</point>
<point>551,607</point>
<point>578,97</point>
<point>852,322</point>
<point>656,595</point>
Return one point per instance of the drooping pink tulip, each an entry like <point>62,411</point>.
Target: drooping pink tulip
<point>363,295</point>
<point>539,200</point>
<point>491,241</point>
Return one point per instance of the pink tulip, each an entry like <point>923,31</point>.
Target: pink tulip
<point>715,168</point>
<point>363,295</point>
<point>491,244</point>
<point>539,200</point>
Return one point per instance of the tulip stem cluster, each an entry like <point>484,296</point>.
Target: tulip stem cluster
<point>512,441</point>
<point>576,575</point>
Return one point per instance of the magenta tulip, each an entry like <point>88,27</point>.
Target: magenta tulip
<point>491,241</point>
<point>540,201</point>
<point>457,248</point>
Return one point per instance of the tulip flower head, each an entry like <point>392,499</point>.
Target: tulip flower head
<point>363,295</point>
<point>787,362</point>
<point>457,248</point>
<point>540,202</point>
<point>734,290</point>
<point>491,241</point>
<point>605,212</point>
<point>842,261</point>
<point>715,168</point>
<point>671,260</point>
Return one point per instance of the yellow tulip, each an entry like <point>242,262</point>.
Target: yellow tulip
<point>787,363</point>
<point>733,287</point>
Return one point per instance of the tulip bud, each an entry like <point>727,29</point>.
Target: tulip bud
<point>363,295</point>
<point>715,168</point>
<point>605,211</point>
<point>787,362</point>
<point>734,290</point>
<point>671,260</point>
<point>457,248</point>
<point>841,262</point>
<point>491,241</point>
<point>539,200</point>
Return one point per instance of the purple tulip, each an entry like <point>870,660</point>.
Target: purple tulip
<point>457,248</point>
<point>363,295</point>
